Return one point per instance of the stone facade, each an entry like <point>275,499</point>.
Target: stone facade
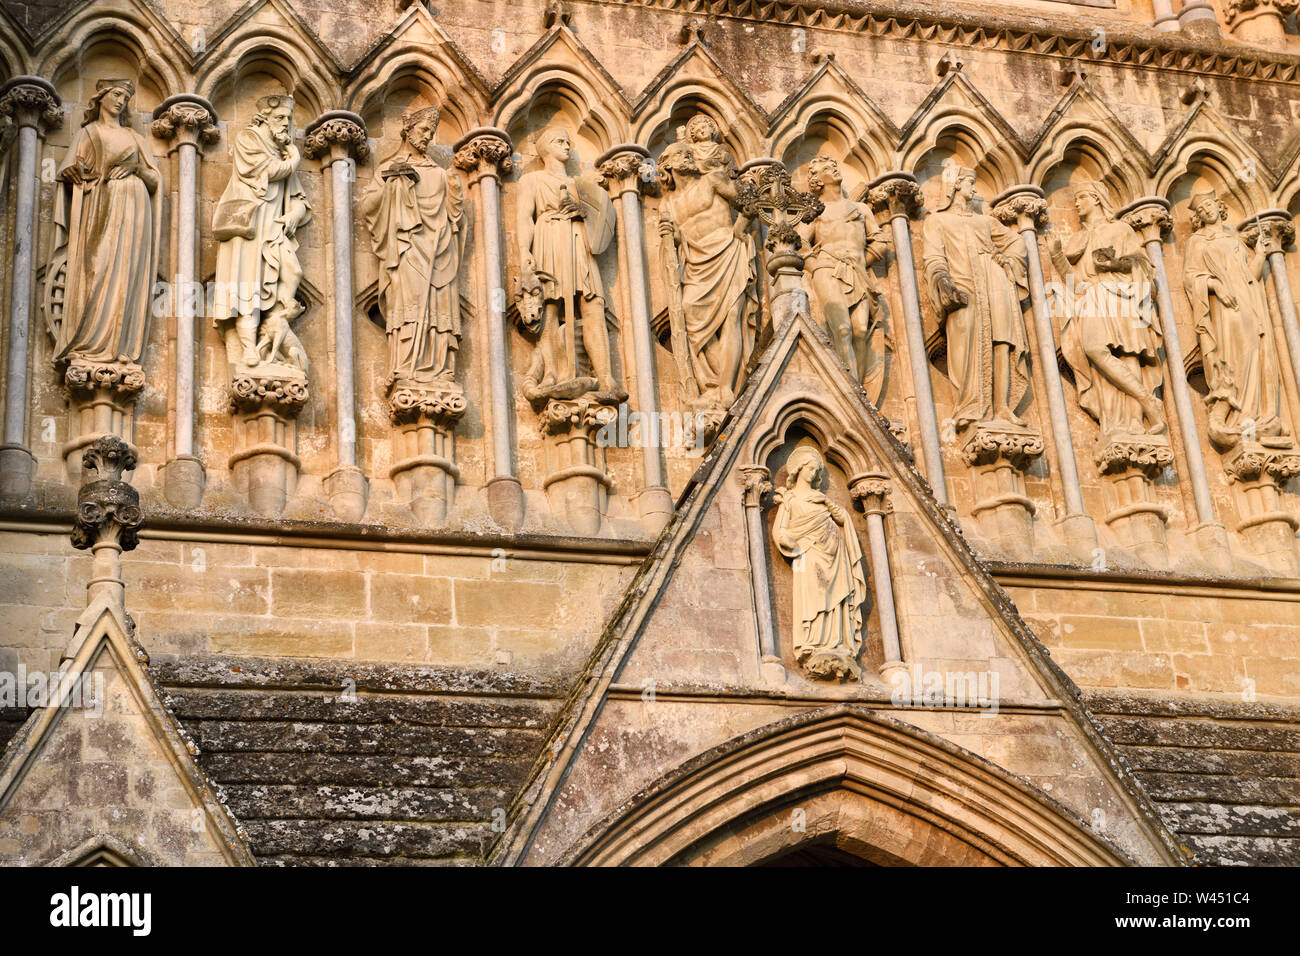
<point>550,424</point>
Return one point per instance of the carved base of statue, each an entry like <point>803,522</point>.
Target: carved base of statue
<point>1132,462</point>
<point>829,665</point>
<point>577,486</point>
<point>998,454</point>
<point>266,401</point>
<point>425,472</point>
<point>103,396</point>
<point>348,492</point>
<point>708,417</point>
<point>17,466</point>
<point>1258,471</point>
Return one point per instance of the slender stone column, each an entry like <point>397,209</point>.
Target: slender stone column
<point>1277,223</point>
<point>338,137</point>
<point>1025,209</point>
<point>1150,218</point>
<point>620,169</point>
<point>757,481</point>
<point>1165,18</point>
<point>1198,18</point>
<point>871,493</point>
<point>33,106</point>
<point>484,154</point>
<point>899,194</point>
<point>187,120</point>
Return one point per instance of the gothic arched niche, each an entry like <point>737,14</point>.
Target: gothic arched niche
<point>835,485</point>
<point>235,86</point>
<point>1084,159</point>
<point>659,129</point>
<point>829,134</point>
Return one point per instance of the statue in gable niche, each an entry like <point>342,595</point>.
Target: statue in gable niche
<point>256,225</point>
<point>830,587</point>
<point>1111,336</point>
<point>1224,283</point>
<point>415,213</point>
<point>708,264</point>
<point>562,223</point>
<point>973,265</point>
<point>844,243</point>
<point>98,297</point>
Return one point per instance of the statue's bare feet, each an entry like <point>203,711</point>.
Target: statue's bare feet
<point>1005,414</point>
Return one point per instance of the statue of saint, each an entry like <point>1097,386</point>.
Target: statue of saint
<point>1224,282</point>
<point>1111,336</point>
<point>973,265</point>
<point>256,223</point>
<point>844,243</point>
<point>414,211</point>
<point>106,228</point>
<point>562,223</point>
<point>708,263</point>
<point>830,587</point>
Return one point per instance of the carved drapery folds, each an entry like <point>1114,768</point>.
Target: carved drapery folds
<point>98,292</point>
<point>829,586</point>
<point>708,269</point>
<point>415,212</point>
<point>255,301</point>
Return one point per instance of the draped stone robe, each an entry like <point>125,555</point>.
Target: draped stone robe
<point>1114,310</point>
<point>829,585</point>
<point>1239,353</point>
<point>418,236</point>
<point>257,262</point>
<point>962,243</point>
<point>108,229</point>
<point>562,255</point>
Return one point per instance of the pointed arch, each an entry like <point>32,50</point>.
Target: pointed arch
<point>1237,174</point>
<point>843,445</point>
<point>433,74</point>
<point>957,118</point>
<point>1083,127</point>
<point>888,792</point>
<point>134,33</point>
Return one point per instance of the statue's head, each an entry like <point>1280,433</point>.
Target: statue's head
<point>112,98</point>
<point>418,127</point>
<point>1091,195</point>
<point>822,172</point>
<point>961,183</point>
<point>702,129</point>
<point>275,112</point>
<point>803,460</point>
<point>554,143</point>
<point>1206,209</point>
<point>677,159</point>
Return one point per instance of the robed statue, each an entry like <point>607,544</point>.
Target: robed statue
<point>973,267</point>
<point>414,211</point>
<point>829,583</point>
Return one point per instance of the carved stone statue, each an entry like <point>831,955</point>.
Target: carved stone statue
<point>708,263</point>
<point>98,296</point>
<point>829,584</point>
<point>1111,335</point>
<point>1224,282</point>
<point>972,265</point>
<point>845,242</point>
<point>414,211</point>
<point>562,223</point>
<point>256,224</point>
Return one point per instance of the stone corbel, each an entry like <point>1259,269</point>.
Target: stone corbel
<point>32,105</point>
<point>999,454</point>
<point>484,154</point>
<point>108,516</point>
<point>577,485</point>
<point>266,405</point>
<point>187,121</point>
<point>871,494</point>
<point>425,472</point>
<point>756,481</point>
<point>338,138</point>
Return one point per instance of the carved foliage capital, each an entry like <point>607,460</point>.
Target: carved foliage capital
<point>187,119</point>
<point>757,482</point>
<point>627,170</point>
<point>1277,229</point>
<point>1252,461</point>
<point>1151,221</point>
<point>124,378</point>
<point>560,416</point>
<point>1239,10</point>
<point>985,445</point>
<point>1022,208</point>
<point>1148,454</point>
<point>898,196</point>
<point>249,393</point>
<point>108,508</point>
<point>440,405</point>
<point>486,153</point>
<point>30,104</point>
<point>871,493</point>
<point>346,134</point>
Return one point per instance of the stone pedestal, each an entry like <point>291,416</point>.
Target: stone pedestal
<point>654,506</point>
<point>103,396</point>
<point>265,402</point>
<point>1132,462</point>
<point>184,479</point>
<point>1257,472</point>
<point>998,454</point>
<point>425,471</point>
<point>577,486</point>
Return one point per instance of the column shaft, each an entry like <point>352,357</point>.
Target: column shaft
<point>1286,305</point>
<point>642,342</point>
<point>341,181</point>
<point>186,238</point>
<point>884,582</point>
<point>20,292</point>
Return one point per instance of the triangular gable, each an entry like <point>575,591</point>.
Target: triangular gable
<point>560,45</point>
<point>263,14</point>
<point>696,62</point>
<point>416,29</point>
<point>1081,113</point>
<point>88,767</point>
<point>607,743</point>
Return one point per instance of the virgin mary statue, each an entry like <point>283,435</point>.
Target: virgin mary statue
<point>829,585</point>
<point>106,250</point>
